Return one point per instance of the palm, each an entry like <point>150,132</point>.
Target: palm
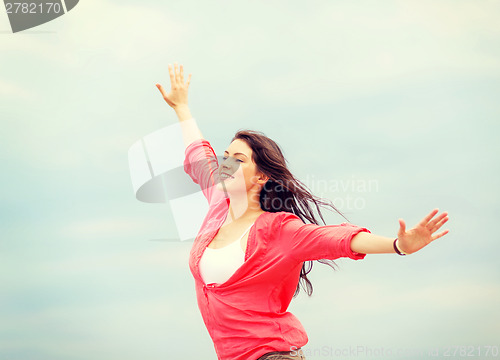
<point>178,94</point>
<point>421,235</point>
<point>172,98</point>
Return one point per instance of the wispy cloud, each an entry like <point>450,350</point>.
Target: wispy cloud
<point>80,278</point>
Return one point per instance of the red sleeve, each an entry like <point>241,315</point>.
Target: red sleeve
<point>306,242</point>
<point>201,165</point>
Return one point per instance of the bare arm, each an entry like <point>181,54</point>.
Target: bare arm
<point>367,243</point>
<point>408,241</point>
<point>190,130</point>
<point>178,100</point>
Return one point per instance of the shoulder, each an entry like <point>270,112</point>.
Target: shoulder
<point>197,144</point>
<point>198,150</point>
<point>271,217</point>
<point>276,222</point>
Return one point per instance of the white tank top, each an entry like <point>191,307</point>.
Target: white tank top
<point>218,265</point>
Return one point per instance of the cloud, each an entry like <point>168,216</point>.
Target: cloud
<point>99,30</point>
<point>11,90</point>
<point>75,284</point>
<point>356,50</point>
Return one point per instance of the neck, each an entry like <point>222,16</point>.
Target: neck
<point>242,206</point>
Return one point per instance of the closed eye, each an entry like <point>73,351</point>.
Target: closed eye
<point>225,157</point>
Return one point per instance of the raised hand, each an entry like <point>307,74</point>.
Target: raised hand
<point>178,95</point>
<point>421,235</point>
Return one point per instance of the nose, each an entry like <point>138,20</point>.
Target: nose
<point>225,163</point>
<point>228,164</point>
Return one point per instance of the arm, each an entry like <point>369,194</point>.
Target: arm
<point>304,242</point>
<point>200,161</point>
<point>368,243</point>
<point>201,164</point>
<point>408,241</point>
<point>190,130</point>
<point>178,100</point>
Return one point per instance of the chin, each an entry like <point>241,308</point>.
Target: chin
<point>222,187</point>
<point>231,187</point>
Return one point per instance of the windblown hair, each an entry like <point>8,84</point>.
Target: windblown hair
<point>283,192</point>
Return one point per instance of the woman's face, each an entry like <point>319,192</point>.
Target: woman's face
<point>237,171</point>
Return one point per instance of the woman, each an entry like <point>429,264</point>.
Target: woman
<point>254,247</point>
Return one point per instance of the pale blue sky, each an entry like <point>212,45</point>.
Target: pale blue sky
<point>401,94</point>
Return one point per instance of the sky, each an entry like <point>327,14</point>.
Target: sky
<point>386,108</point>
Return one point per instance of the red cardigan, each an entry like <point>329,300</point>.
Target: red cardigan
<point>246,316</point>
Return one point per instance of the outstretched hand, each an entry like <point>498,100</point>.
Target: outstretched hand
<point>178,94</point>
<point>421,235</point>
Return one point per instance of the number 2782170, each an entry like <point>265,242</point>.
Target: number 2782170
<point>471,351</point>
<point>32,8</point>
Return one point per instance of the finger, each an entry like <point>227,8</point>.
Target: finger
<point>189,80</point>
<point>402,227</point>
<point>439,235</point>
<point>176,68</point>
<point>433,223</point>
<point>171,73</point>
<point>426,219</point>
<point>439,224</point>
<point>182,75</point>
<point>161,89</point>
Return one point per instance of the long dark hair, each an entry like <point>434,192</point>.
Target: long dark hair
<point>283,192</point>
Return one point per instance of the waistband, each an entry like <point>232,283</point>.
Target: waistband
<point>284,355</point>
